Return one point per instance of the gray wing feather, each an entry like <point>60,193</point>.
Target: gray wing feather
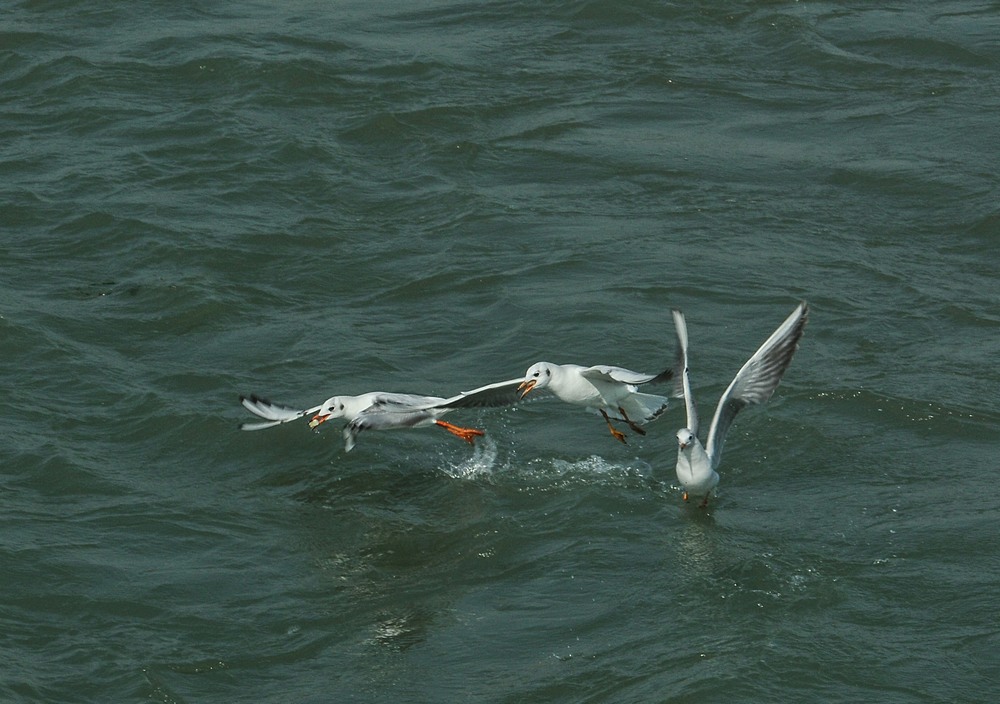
<point>276,413</point>
<point>396,402</point>
<point>624,376</point>
<point>407,410</point>
<point>502,393</point>
<point>682,374</point>
<point>260,426</point>
<point>757,379</point>
<point>376,417</point>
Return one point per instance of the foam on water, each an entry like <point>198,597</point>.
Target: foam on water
<point>479,464</point>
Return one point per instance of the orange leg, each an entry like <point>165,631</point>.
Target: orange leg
<point>631,424</point>
<point>467,434</point>
<point>619,435</point>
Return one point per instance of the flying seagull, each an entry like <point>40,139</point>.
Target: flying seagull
<point>611,391</point>
<point>385,411</point>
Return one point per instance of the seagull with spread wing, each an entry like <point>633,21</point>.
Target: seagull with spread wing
<point>385,411</point>
<point>756,381</point>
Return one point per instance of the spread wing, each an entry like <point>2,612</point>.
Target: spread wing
<point>273,413</point>
<point>757,379</point>
<point>502,393</point>
<point>623,376</point>
<point>395,403</point>
<point>377,417</point>
<point>390,411</point>
<point>682,376</point>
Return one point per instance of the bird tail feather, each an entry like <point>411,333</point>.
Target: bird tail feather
<point>642,408</point>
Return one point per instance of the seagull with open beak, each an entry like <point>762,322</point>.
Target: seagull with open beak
<point>611,391</point>
<point>385,411</point>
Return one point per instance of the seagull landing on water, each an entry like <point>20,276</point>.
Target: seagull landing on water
<point>754,384</point>
<point>612,391</point>
<point>385,411</point>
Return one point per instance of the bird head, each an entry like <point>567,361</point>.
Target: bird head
<point>538,376</point>
<point>685,438</point>
<point>333,407</point>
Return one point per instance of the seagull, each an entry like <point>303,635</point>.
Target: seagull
<point>385,411</point>
<point>753,384</point>
<point>612,391</point>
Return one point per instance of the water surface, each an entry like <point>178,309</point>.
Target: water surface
<point>305,199</point>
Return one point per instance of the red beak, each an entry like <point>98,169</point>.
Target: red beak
<point>319,418</point>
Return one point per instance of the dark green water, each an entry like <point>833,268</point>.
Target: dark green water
<point>304,198</point>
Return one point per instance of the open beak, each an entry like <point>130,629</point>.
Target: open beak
<point>319,418</point>
<point>526,386</point>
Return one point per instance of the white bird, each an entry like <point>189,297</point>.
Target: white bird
<point>753,384</point>
<point>385,411</point>
<point>612,391</point>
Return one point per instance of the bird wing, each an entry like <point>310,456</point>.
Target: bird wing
<point>393,402</point>
<point>502,393</point>
<point>406,411</point>
<point>624,376</point>
<point>757,379</point>
<point>273,413</point>
<point>384,417</point>
<point>682,376</point>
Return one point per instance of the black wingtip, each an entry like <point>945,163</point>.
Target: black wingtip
<point>665,375</point>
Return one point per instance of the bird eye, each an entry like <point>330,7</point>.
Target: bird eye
<point>537,374</point>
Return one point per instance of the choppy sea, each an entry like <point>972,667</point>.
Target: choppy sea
<point>305,198</point>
